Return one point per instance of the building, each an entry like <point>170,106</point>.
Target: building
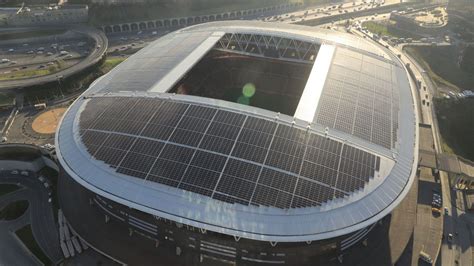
<point>49,15</point>
<point>246,141</point>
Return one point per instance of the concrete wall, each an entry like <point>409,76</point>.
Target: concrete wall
<point>191,20</point>
<point>34,165</point>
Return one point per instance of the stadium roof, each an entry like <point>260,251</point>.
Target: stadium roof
<point>342,162</point>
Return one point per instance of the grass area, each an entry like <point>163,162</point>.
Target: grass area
<point>456,123</point>
<point>6,99</point>
<point>26,236</point>
<point>14,210</point>
<point>24,74</point>
<point>30,73</point>
<point>73,84</point>
<point>441,63</point>
<point>7,188</point>
<point>387,29</point>
<point>110,63</point>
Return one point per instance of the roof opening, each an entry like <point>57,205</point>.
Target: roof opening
<point>272,78</point>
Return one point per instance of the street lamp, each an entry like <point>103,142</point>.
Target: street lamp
<point>59,84</point>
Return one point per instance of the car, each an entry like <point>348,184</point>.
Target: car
<point>25,173</point>
<point>30,52</point>
<point>24,67</point>
<point>49,53</point>
<point>41,178</point>
<point>437,200</point>
<point>41,66</point>
<point>11,50</point>
<point>446,211</point>
<point>425,257</point>
<point>450,238</point>
<point>4,60</point>
<point>14,172</point>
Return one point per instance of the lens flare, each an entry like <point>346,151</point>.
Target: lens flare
<point>248,90</point>
<point>243,100</point>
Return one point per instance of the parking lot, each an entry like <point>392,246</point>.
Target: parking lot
<point>429,223</point>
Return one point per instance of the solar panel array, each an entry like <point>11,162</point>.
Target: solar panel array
<point>152,63</point>
<point>360,97</point>
<point>227,156</point>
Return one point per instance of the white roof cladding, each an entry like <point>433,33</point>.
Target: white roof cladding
<point>308,104</point>
<point>139,74</point>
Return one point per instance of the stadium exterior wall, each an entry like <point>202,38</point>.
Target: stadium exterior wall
<point>204,243</point>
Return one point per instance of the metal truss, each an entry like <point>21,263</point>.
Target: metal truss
<point>269,47</point>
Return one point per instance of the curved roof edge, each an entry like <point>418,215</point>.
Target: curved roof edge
<point>410,160</point>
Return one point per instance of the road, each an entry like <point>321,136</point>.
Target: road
<point>13,252</point>
<point>322,11</point>
<point>460,252</point>
<point>102,43</point>
<point>41,215</point>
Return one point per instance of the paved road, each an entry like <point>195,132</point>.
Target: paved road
<point>12,251</point>
<point>94,57</point>
<point>461,250</point>
<point>41,214</point>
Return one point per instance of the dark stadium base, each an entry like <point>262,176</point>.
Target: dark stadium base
<point>137,238</point>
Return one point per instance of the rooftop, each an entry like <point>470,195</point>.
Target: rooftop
<point>159,140</point>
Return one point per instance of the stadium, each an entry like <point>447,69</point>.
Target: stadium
<point>246,142</point>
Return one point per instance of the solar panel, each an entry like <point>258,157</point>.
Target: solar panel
<point>137,162</point>
<point>168,172</point>
<point>359,98</point>
<point>147,147</point>
<point>186,137</point>
<point>235,187</point>
<point>227,156</point>
<point>177,153</point>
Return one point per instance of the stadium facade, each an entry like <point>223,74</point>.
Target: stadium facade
<point>247,141</point>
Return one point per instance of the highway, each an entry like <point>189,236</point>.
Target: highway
<point>91,59</point>
<point>323,11</point>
